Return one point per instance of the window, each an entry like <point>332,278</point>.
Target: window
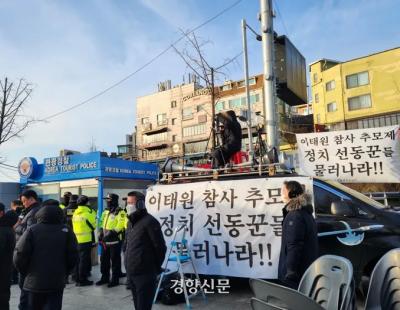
<point>173,121</point>
<point>194,130</point>
<point>323,200</point>
<point>316,98</point>
<point>331,107</point>
<point>173,104</point>
<point>219,106</point>
<point>145,120</point>
<point>158,137</point>
<point>174,138</point>
<point>359,102</point>
<point>235,103</point>
<point>200,108</point>
<point>330,85</point>
<point>196,147</point>
<point>254,98</point>
<point>241,84</point>
<point>315,77</point>
<point>252,81</point>
<point>161,119</point>
<point>187,113</point>
<point>318,119</point>
<point>358,79</point>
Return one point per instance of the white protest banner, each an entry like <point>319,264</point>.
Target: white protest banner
<point>234,227</point>
<point>363,155</point>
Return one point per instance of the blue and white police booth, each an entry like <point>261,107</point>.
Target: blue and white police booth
<point>87,174</point>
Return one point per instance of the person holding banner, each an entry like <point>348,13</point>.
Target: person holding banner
<point>299,247</point>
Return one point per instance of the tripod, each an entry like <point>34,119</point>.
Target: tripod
<point>260,148</point>
<point>218,144</point>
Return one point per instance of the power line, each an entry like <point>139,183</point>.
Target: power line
<point>229,61</point>
<point>281,17</point>
<point>11,166</point>
<point>144,65</point>
<point>8,168</point>
<point>8,176</point>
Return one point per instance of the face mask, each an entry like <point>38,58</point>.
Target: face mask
<point>130,208</point>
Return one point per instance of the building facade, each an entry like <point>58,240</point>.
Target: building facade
<point>360,93</point>
<point>177,121</point>
<point>172,119</point>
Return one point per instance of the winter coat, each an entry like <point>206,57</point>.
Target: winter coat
<point>232,133</point>
<point>145,244</point>
<point>28,218</point>
<point>299,247</point>
<point>69,212</point>
<point>7,244</point>
<point>46,252</point>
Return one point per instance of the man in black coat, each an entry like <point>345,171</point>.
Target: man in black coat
<point>27,218</point>
<point>45,253</point>
<point>231,135</point>
<point>299,246</point>
<point>145,251</point>
<point>7,244</point>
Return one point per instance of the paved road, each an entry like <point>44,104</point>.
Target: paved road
<point>118,298</point>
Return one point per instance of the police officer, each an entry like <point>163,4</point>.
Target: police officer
<point>112,227</point>
<point>65,200</point>
<point>70,209</point>
<point>84,225</point>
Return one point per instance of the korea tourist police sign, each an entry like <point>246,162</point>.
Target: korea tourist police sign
<point>361,155</point>
<point>234,227</point>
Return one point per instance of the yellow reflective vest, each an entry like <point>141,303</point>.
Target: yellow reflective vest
<point>62,206</point>
<point>84,224</point>
<point>113,221</point>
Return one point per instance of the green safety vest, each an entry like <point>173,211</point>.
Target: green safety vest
<point>84,224</point>
<point>113,221</point>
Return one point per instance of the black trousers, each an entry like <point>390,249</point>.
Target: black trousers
<point>111,257</point>
<point>45,301</point>
<point>85,261</point>
<point>23,298</point>
<point>143,288</point>
<point>5,299</point>
<point>220,157</point>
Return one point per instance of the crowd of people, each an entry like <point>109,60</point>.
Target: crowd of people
<point>44,244</point>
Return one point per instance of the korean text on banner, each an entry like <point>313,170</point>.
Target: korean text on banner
<point>363,155</point>
<point>234,227</point>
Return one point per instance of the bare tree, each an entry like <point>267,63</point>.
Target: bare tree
<point>13,97</point>
<point>193,56</point>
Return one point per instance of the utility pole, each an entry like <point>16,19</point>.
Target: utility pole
<point>246,80</point>
<point>213,110</point>
<point>267,32</point>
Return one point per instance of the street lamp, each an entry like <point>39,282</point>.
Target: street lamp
<point>246,80</point>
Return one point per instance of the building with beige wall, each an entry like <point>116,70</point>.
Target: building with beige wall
<point>172,118</point>
<point>177,121</point>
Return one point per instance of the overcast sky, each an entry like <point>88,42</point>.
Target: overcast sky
<point>70,50</point>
